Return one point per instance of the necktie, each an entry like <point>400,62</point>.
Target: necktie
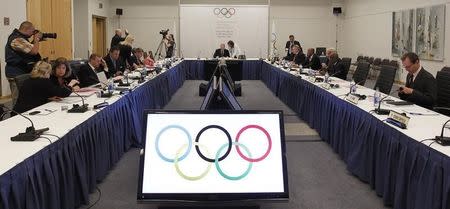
<point>410,79</point>
<point>221,53</point>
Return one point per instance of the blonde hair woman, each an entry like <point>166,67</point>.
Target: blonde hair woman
<point>125,51</point>
<point>39,89</point>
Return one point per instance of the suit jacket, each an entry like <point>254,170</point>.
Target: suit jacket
<point>116,40</point>
<point>298,59</point>
<point>425,89</point>
<point>113,69</point>
<point>313,62</point>
<point>36,91</point>
<point>337,69</point>
<point>87,76</point>
<point>288,46</point>
<point>218,53</point>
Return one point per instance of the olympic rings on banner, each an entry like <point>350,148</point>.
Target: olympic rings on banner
<point>198,138</point>
<point>190,178</point>
<point>179,156</point>
<point>224,12</point>
<point>233,178</point>
<point>159,136</point>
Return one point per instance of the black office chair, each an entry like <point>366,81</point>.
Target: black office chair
<point>386,79</point>
<point>370,60</point>
<point>385,62</point>
<point>443,92</point>
<point>361,73</point>
<point>394,63</point>
<point>75,66</point>
<point>20,79</point>
<point>321,51</point>
<point>347,62</point>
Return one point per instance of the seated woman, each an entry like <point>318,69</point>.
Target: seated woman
<point>149,61</point>
<point>62,75</point>
<point>39,89</point>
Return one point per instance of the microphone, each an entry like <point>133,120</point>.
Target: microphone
<point>31,133</point>
<point>442,139</point>
<point>76,108</point>
<point>351,86</point>
<point>380,111</point>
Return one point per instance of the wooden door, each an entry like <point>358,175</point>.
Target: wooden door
<point>99,35</point>
<point>39,12</point>
<point>62,25</point>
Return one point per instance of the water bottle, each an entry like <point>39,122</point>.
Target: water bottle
<point>353,87</point>
<point>326,77</point>
<point>110,85</point>
<point>376,97</point>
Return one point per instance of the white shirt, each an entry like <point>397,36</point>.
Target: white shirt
<point>235,51</point>
<point>417,73</point>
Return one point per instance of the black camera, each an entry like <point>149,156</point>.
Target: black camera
<point>46,35</point>
<point>164,32</point>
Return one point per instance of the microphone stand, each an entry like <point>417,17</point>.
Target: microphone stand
<point>380,111</point>
<point>31,133</point>
<point>76,107</point>
<point>442,139</point>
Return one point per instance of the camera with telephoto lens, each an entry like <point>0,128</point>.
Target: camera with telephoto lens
<point>46,35</point>
<point>164,32</point>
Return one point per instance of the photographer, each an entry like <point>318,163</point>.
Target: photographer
<point>171,46</point>
<point>21,54</point>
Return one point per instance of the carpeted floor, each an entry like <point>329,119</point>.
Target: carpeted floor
<point>317,176</point>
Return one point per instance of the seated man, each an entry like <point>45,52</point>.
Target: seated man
<point>421,87</point>
<point>335,67</point>
<point>312,60</point>
<point>297,57</point>
<point>221,52</point>
<point>115,65</point>
<point>88,72</point>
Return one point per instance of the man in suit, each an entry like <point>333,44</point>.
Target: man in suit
<point>290,44</point>
<point>335,67</point>
<point>312,60</point>
<point>88,72</point>
<point>221,52</point>
<point>115,66</point>
<point>117,38</point>
<point>421,87</point>
<point>297,57</point>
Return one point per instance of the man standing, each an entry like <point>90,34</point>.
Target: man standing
<point>221,52</point>
<point>290,44</point>
<point>233,49</point>
<point>21,54</point>
<point>117,38</point>
<point>312,60</point>
<point>421,87</point>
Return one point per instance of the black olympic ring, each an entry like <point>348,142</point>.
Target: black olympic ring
<point>198,138</point>
<point>224,12</point>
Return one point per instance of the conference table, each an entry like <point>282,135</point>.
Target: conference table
<point>403,170</point>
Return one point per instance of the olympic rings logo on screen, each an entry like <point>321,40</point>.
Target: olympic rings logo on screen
<point>219,154</point>
<point>224,12</point>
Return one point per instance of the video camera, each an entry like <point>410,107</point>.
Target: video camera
<point>46,35</point>
<point>164,32</point>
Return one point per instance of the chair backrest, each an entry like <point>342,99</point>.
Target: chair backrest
<point>376,62</point>
<point>370,61</point>
<point>20,79</point>
<point>394,63</point>
<point>347,63</point>
<point>447,69</point>
<point>366,58</point>
<point>75,65</point>
<point>359,58</point>
<point>385,79</point>
<point>361,73</point>
<point>384,62</point>
<point>321,51</point>
<point>443,89</point>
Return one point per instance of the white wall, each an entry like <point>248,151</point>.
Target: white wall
<point>368,30</point>
<point>16,11</point>
<point>311,22</point>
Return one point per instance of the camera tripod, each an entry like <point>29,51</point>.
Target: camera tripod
<point>160,48</point>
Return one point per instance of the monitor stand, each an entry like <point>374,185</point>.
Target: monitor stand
<point>212,207</point>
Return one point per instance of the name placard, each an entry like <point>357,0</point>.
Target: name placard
<point>401,118</point>
<point>352,99</point>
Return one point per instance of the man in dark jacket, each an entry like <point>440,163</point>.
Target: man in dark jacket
<point>312,60</point>
<point>421,87</point>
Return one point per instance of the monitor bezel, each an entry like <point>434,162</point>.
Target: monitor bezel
<point>213,197</point>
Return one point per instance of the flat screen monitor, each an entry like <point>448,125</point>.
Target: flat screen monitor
<point>228,96</point>
<point>198,156</point>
